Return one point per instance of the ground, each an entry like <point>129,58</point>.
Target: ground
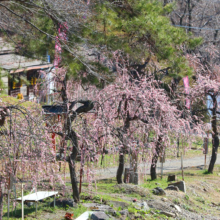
<point>202,198</point>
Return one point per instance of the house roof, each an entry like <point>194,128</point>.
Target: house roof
<point>5,47</point>
<point>16,63</point>
<point>54,109</point>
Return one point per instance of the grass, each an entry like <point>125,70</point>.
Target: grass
<point>105,190</point>
<point>151,184</point>
<point>9,100</point>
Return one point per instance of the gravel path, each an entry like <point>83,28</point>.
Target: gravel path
<point>168,166</point>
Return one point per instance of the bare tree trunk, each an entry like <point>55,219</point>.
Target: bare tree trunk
<point>153,167</point>
<point>120,168</point>
<point>153,171</point>
<point>71,161</point>
<point>122,151</point>
<point>215,138</point>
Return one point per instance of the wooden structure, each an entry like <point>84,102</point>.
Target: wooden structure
<point>18,70</point>
<point>53,114</point>
<point>35,197</point>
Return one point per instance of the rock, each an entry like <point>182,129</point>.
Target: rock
<point>181,185</point>
<point>171,187</point>
<point>85,215</point>
<point>177,208</point>
<point>100,207</point>
<point>135,178</point>
<point>137,216</point>
<point>168,214</point>
<point>129,175</point>
<point>124,212</point>
<point>99,216</point>
<point>164,199</point>
<point>159,191</point>
<point>157,184</point>
<point>29,204</point>
<point>64,203</point>
<point>117,204</point>
<point>171,178</point>
<point>143,206</point>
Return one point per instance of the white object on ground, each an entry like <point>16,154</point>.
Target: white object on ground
<point>34,197</point>
<point>84,216</point>
<point>37,196</point>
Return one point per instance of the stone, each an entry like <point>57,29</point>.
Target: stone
<point>152,212</point>
<point>143,206</point>
<point>124,212</point>
<point>137,216</point>
<point>168,214</point>
<point>171,187</point>
<point>171,178</point>
<point>177,208</point>
<point>84,216</point>
<point>136,178</point>
<point>159,191</point>
<point>64,203</point>
<point>164,199</point>
<point>29,204</point>
<point>99,216</point>
<point>181,185</point>
<point>129,175</point>
<point>100,207</point>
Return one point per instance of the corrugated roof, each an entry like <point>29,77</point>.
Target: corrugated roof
<point>15,62</point>
<point>5,47</point>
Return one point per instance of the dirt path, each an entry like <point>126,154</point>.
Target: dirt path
<point>168,166</point>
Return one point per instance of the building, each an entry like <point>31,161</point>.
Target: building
<point>19,73</point>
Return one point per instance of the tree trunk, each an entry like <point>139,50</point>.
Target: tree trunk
<point>153,167</point>
<point>73,179</point>
<point>215,144</point>
<point>153,172</point>
<point>71,161</point>
<point>120,168</point>
<point>215,138</point>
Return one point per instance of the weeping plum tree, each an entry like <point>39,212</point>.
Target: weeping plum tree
<point>206,89</point>
<point>134,108</point>
<point>26,151</point>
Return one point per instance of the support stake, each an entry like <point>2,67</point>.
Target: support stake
<point>8,202</point>
<point>182,166</point>
<point>22,203</point>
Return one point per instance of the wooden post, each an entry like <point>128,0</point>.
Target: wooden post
<point>205,149</point>
<point>182,165</point>
<point>36,208</point>
<point>22,203</point>
<point>54,142</point>
<point>8,202</point>
<point>162,170</point>
<point>178,147</point>
<point>1,198</point>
